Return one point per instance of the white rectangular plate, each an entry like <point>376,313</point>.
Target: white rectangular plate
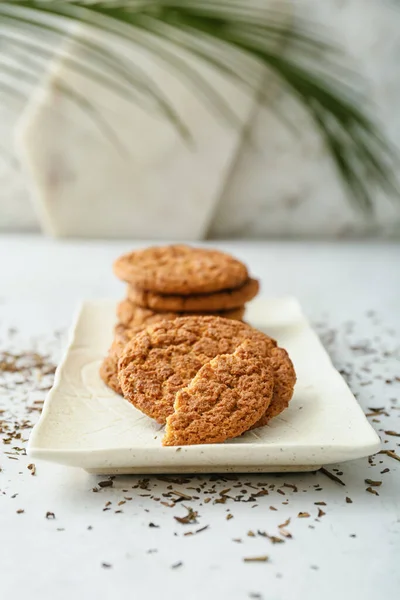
<point>85,424</point>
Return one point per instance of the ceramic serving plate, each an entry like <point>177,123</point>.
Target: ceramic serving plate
<point>85,424</point>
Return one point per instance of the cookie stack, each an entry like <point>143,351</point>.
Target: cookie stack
<point>173,281</point>
<point>179,279</point>
<point>182,354</point>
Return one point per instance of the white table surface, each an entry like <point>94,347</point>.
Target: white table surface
<point>351,292</point>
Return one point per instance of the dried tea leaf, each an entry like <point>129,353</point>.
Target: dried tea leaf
<point>349,500</point>
<point>390,453</point>
<point>372,491</point>
<point>260,494</point>
<point>292,486</point>
<point>271,538</point>
<point>373,483</point>
<point>320,503</point>
<point>191,516</point>
<point>32,468</point>
<point>331,476</point>
<point>251,533</point>
<point>321,513</point>
<point>106,483</point>
<point>177,565</point>
<point>394,433</point>
<point>106,565</point>
<point>20,511</point>
<point>285,533</point>
<point>303,515</point>
<point>202,529</point>
<point>153,525</point>
<point>263,558</point>
<point>181,495</point>
<point>50,515</point>
<point>229,516</point>
<point>285,524</point>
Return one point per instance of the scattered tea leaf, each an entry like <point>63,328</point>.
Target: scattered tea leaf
<point>349,500</point>
<point>20,511</point>
<point>285,533</point>
<point>373,483</point>
<point>320,503</point>
<point>32,468</point>
<point>321,513</point>
<point>177,565</point>
<point>106,565</point>
<point>106,483</point>
<point>153,525</point>
<point>191,516</point>
<point>50,515</point>
<point>272,538</point>
<point>181,495</point>
<point>251,533</point>
<point>390,453</point>
<point>202,529</point>
<point>331,476</point>
<point>285,523</point>
<point>394,433</point>
<point>263,558</point>
<point>229,516</point>
<point>372,491</point>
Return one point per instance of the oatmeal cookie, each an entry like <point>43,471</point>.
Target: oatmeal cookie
<point>181,269</point>
<point>204,303</point>
<point>226,397</point>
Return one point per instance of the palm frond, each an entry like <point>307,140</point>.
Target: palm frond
<point>236,38</point>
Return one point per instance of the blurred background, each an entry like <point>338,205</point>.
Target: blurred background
<point>195,120</point>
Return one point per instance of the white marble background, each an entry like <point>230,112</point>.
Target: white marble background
<point>280,185</point>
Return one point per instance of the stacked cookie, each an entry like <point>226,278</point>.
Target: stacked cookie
<point>172,281</point>
<point>180,279</point>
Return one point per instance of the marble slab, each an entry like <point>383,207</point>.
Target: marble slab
<point>147,182</point>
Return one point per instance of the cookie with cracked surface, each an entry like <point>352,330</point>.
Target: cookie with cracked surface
<point>217,301</point>
<point>285,380</point>
<point>132,316</point>
<point>136,317</point>
<point>181,269</point>
<point>109,366</point>
<point>160,361</point>
<point>226,397</point>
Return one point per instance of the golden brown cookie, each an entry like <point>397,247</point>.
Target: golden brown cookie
<point>225,300</point>
<point>180,269</point>
<point>132,316</point>
<point>163,359</point>
<point>109,366</point>
<point>285,379</point>
<point>226,397</point>
<point>136,317</point>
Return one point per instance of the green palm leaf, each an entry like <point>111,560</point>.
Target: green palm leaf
<point>235,38</point>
